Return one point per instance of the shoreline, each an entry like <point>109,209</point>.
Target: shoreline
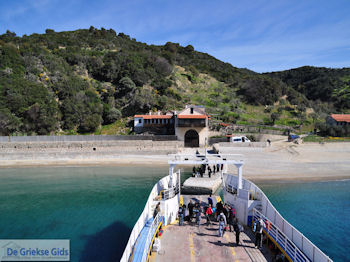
<point>282,162</point>
<point>285,177</point>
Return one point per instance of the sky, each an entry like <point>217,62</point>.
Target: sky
<point>261,35</point>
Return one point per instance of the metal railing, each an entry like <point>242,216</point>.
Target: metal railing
<point>145,215</point>
<point>294,253</point>
<point>174,188</point>
<point>213,157</point>
<point>170,193</point>
<point>231,189</point>
<point>311,251</point>
<point>148,212</point>
<point>155,224</point>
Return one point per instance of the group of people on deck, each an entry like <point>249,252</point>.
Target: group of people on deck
<point>222,213</point>
<point>200,171</point>
<point>225,214</point>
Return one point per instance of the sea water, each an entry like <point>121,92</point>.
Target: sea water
<point>319,210</point>
<point>96,207</point>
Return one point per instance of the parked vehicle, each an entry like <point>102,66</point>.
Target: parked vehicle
<point>291,138</point>
<point>239,139</point>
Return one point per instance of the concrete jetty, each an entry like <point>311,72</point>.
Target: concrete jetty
<point>202,185</point>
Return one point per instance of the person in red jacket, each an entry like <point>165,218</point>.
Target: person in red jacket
<point>208,214</point>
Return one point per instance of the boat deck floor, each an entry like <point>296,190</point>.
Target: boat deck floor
<point>192,243</point>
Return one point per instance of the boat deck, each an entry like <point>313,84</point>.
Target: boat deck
<point>193,243</point>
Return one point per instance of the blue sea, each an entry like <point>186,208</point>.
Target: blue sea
<point>96,207</point>
<point>319,210</point>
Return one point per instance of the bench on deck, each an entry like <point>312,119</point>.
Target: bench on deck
<point>141,241</point>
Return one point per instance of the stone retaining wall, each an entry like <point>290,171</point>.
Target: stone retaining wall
<point>86,138</point>
<point>95,149</point>
<point>146,144</point>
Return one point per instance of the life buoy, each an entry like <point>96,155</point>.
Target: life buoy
<point>268,225</point>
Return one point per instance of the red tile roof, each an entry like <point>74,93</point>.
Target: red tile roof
<point>341,117</point>
<point>154,116</point>
<point>191,116</point>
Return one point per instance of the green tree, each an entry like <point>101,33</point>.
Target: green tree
<point>274,116</point>
<point>9,123</point>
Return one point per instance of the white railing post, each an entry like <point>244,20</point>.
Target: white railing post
<point>179,182</point>
<point>279,235</point>
<point>285,243</point>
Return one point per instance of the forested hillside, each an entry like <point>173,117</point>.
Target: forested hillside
<point>318,83</point>
<point>69,82</point>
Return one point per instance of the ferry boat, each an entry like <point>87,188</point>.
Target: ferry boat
<point>191,244</point>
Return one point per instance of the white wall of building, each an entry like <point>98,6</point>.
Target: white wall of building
<point>137,123</point>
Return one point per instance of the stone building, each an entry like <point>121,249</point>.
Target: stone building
<point>157,124</point>
<point>338,120</point>
<point>189,125</point>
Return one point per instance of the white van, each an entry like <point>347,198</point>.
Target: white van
<point>239,139</point>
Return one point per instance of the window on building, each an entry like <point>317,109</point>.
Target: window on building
<point>191,110</point>
<point>140,121</point>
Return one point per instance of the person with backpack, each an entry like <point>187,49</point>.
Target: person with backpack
<point>219,207</point>
<point>258,229</point>
<point>222,224</point>
<point>181,215</point>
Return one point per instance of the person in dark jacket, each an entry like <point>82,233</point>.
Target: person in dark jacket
<point>219,207</point>
<point>210,200</point>
<point>156,210</point>
<point>231,217</point>
<point>181,215</point>
<point>209,171</point>
<point>190,209</point>
<point>198,213</point>
<point>238,229</point>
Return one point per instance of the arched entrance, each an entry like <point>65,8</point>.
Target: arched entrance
<point>191,138</point>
